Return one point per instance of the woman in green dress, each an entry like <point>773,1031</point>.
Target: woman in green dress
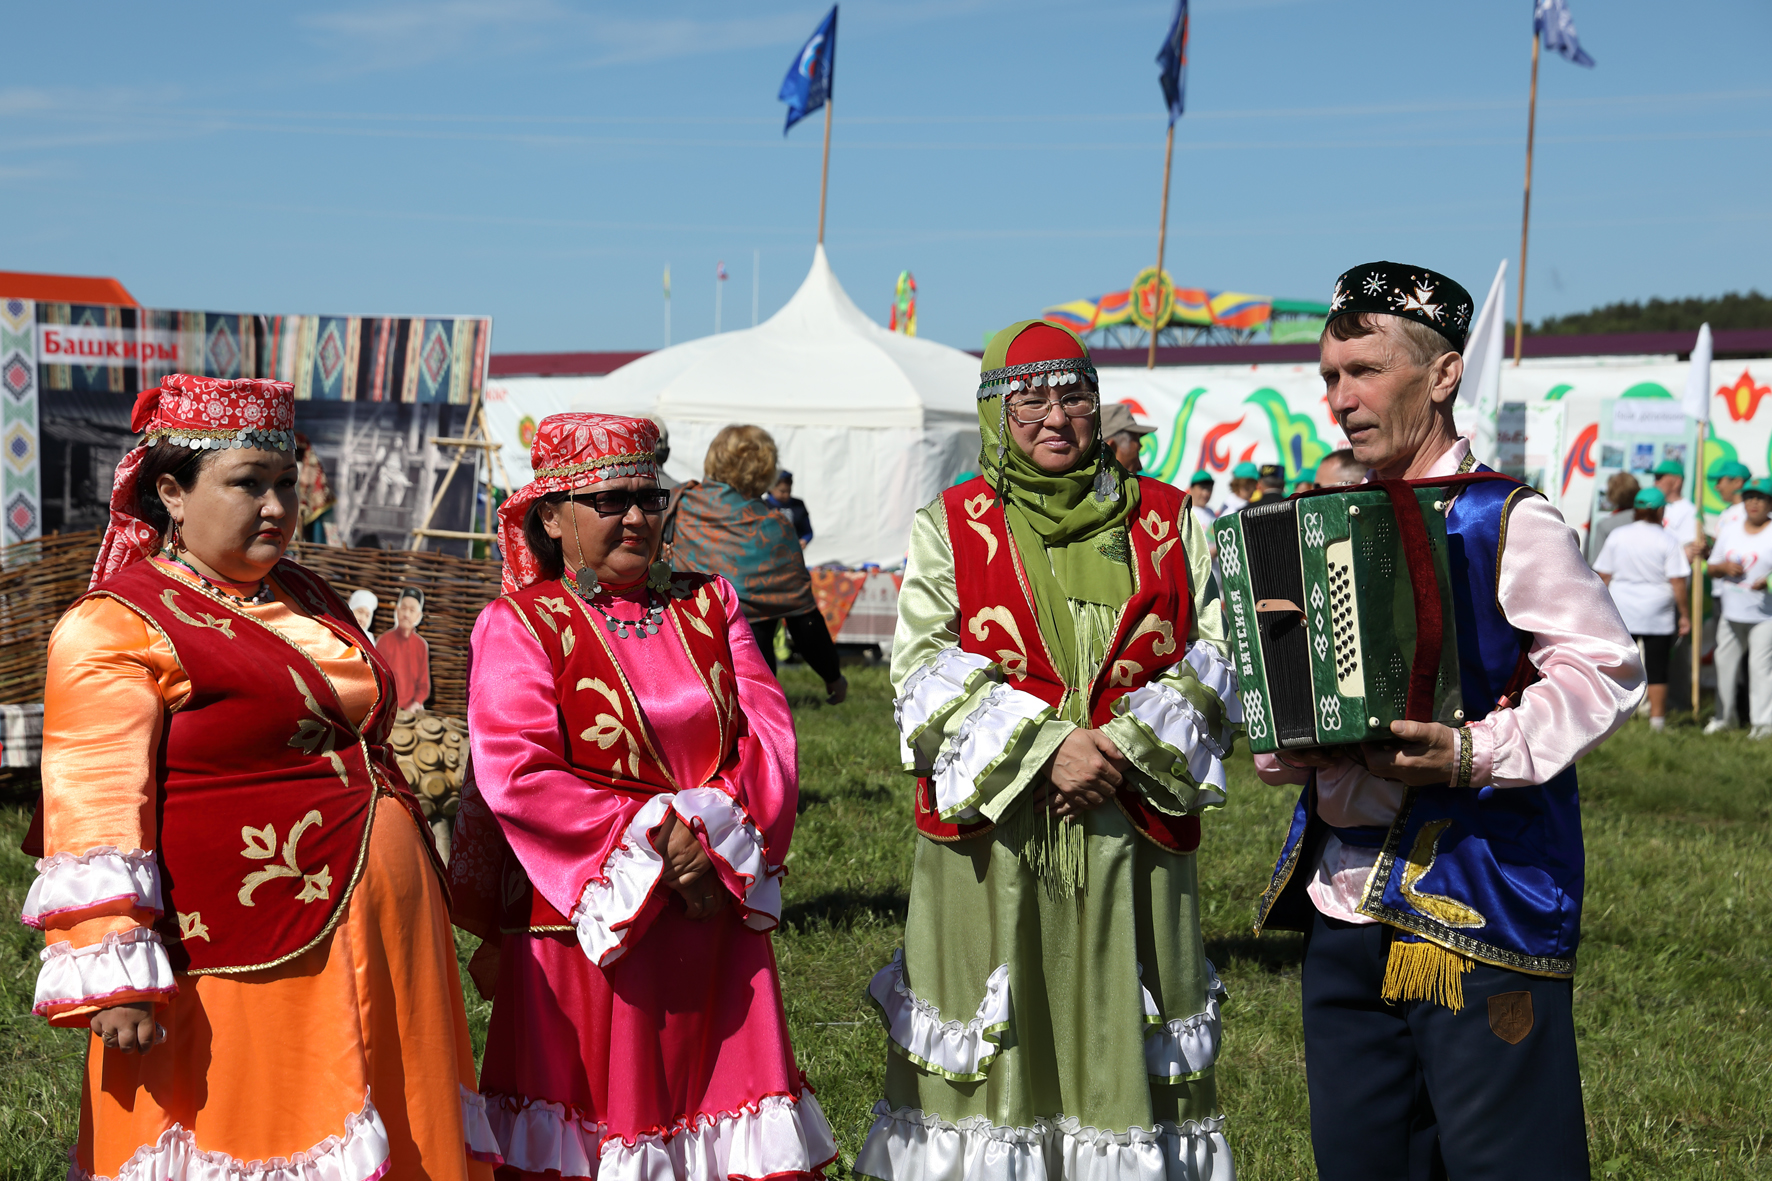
<point>1064,698</point>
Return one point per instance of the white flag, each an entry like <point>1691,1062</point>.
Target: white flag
<point>1698,387</point>
<point>1481,387</point>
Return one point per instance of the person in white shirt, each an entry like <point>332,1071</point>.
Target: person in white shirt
<point>1739,564</point>
<point>1730,476</point>
<point>1645,569</point>
<point>1681,516</point>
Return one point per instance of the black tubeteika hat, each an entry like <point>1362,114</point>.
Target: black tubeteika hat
<point>1414,293</point>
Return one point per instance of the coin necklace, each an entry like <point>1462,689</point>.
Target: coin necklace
<point>585,584</point>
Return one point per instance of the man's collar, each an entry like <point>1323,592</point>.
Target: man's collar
<point>1447,464</point>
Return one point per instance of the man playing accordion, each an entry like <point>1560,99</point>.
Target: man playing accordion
<point>1438,877</point>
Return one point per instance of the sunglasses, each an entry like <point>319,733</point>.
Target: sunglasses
<point>617,501</point>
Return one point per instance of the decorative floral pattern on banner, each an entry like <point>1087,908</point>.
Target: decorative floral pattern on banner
<point>20,494</point>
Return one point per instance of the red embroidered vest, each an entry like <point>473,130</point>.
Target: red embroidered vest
<point>609,743</point>
<point>997,621</point>
<point>266,790</point>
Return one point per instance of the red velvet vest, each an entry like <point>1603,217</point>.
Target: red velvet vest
<point>266,790</point>
<point>998,621</point>
<point>608,740</point>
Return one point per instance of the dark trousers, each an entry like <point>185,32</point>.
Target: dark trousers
<point>812,640</point>
<point>1414,1091</point>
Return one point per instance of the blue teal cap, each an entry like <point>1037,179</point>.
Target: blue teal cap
<point>1245,471</point>
<point>1650,498</point>
<point>1670,467</point>
<point>1200,477</point>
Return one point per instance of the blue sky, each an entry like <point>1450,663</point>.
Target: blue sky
<point>541,161</point>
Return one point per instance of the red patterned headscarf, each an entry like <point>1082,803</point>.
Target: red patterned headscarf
<point>571,451</point>
<point>204,414</point>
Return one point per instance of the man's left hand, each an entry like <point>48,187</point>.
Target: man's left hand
<point>1425,755</point>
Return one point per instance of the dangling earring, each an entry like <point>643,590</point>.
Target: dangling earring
<point>586,578</point>
<point>175,541</point>
<point>658,577</point>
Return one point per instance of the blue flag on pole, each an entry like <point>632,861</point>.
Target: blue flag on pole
<point>808,83</point>
<point>1172,60</point>
<point>1556,30</point>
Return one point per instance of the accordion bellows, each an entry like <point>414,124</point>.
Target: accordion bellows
<point>1327,599</point>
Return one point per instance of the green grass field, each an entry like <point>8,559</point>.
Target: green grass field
<point>1672,1000</point>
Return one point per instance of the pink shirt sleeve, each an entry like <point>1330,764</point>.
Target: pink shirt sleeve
<point>561,828</point>
<point>1591,674</point>
<point>766,780</point>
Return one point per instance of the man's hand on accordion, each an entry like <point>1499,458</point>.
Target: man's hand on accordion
<point>1426,754</point>
<point>1084,772</point>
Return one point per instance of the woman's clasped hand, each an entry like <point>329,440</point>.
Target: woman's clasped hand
<point>687,868</point>
<point>1084,772</point>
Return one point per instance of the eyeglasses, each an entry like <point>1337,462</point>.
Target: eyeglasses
<point>1027,409</point>
<point>617,501</point>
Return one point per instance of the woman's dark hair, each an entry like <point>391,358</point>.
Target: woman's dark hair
<point>164,458</point>
<point>547,550</point>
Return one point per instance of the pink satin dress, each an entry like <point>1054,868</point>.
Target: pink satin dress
<point>653,1048</point>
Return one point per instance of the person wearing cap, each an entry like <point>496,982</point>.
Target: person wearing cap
<point>1245,478</point>
<point>1644,568</point>
<point>238,888</point>
<point>622,856</point>
<point>1729,476</point>
<point>663,451</point>
<point>1339,468</point>
<point>1123,434</point>
<point>1739,564</point>
<point>1199,493</point>
<point>1067,707</point>
<point>1680,515</point>
<point>406,651</point>
<point>1438,876</point>
<point>1621,494</point>
<point>1270,483</point>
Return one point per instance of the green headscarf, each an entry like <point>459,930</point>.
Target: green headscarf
<point>1070,527</point>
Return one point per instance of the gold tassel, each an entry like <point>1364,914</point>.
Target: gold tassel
<point>1425,972</point>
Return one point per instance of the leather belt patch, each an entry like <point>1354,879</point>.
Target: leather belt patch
<point>1510,1016</point>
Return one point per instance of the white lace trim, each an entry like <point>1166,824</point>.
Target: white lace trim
<point>1180,730</point>
<point>67,882</point>
<point>959,1050</point>
<point>931,693</point>
<point>1218,675</point>
<point>122,962</point>
<point>1173,1050</point>
<point>734,840</point>
<point>608,906</point>
<point>361,1154</point>
<point>911,1145</point>
<point>778,1135</point>
<point>979,745</point>
<point>476,1129</point>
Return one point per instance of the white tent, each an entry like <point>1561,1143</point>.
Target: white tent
<point>873,424</point>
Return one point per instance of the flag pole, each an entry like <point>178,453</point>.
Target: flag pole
<point>1150,361</point>
<point>1526,212</point>
<point>824,183</point>
<point>1696,635</point>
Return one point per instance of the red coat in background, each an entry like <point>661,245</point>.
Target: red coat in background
<point>410,658</point>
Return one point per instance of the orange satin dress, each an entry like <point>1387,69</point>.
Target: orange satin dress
<point>278,1063</point>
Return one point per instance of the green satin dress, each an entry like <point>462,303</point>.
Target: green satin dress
<point>1040,1031</point>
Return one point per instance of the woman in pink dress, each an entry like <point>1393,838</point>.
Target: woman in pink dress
<point>622,856</point>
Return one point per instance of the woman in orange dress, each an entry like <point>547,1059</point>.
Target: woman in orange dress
<point>240,897</point>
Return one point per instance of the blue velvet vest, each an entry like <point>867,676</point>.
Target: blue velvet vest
<point>1494,873</point>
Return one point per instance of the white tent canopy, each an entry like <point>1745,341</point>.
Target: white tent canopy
<point>872,424</point>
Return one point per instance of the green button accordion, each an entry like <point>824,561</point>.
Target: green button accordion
<point>1328,598</point>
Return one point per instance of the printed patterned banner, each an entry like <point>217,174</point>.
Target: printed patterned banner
<point>20,495</point>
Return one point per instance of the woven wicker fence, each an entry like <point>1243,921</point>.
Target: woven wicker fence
<point>41,578</point>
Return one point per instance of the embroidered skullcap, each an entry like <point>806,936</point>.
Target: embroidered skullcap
<point>1414,293</point>
<point>204,414</point>
<point>571,451</point>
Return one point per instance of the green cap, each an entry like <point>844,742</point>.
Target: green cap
<point>1760,487</point>
<point>1730,469</point>
<point>1308,475</point>
<point>1245,471</point>
<point>1650,498</point>
<point>1200,477</point>
<point>1670,467</point>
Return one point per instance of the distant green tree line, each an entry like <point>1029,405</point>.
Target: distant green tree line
<point>1733,310</point>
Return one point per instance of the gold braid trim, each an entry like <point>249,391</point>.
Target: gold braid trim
<point>1425,972</point>
<point>573,469</point>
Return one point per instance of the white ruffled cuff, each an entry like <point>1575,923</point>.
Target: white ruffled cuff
<point>959,1050</point>
<point>778,1136</point>
<point>1218,675</point>
<point>608,906</point>
<point>979,745</point>
<point>734,841</point>
<point>123,962</point>
<point>911,1145</point>
<point>67,883</point>
<point>932,693</point>
<point>1180,732</point>
<point>361,1154</point>
<point>1176,1050</point>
